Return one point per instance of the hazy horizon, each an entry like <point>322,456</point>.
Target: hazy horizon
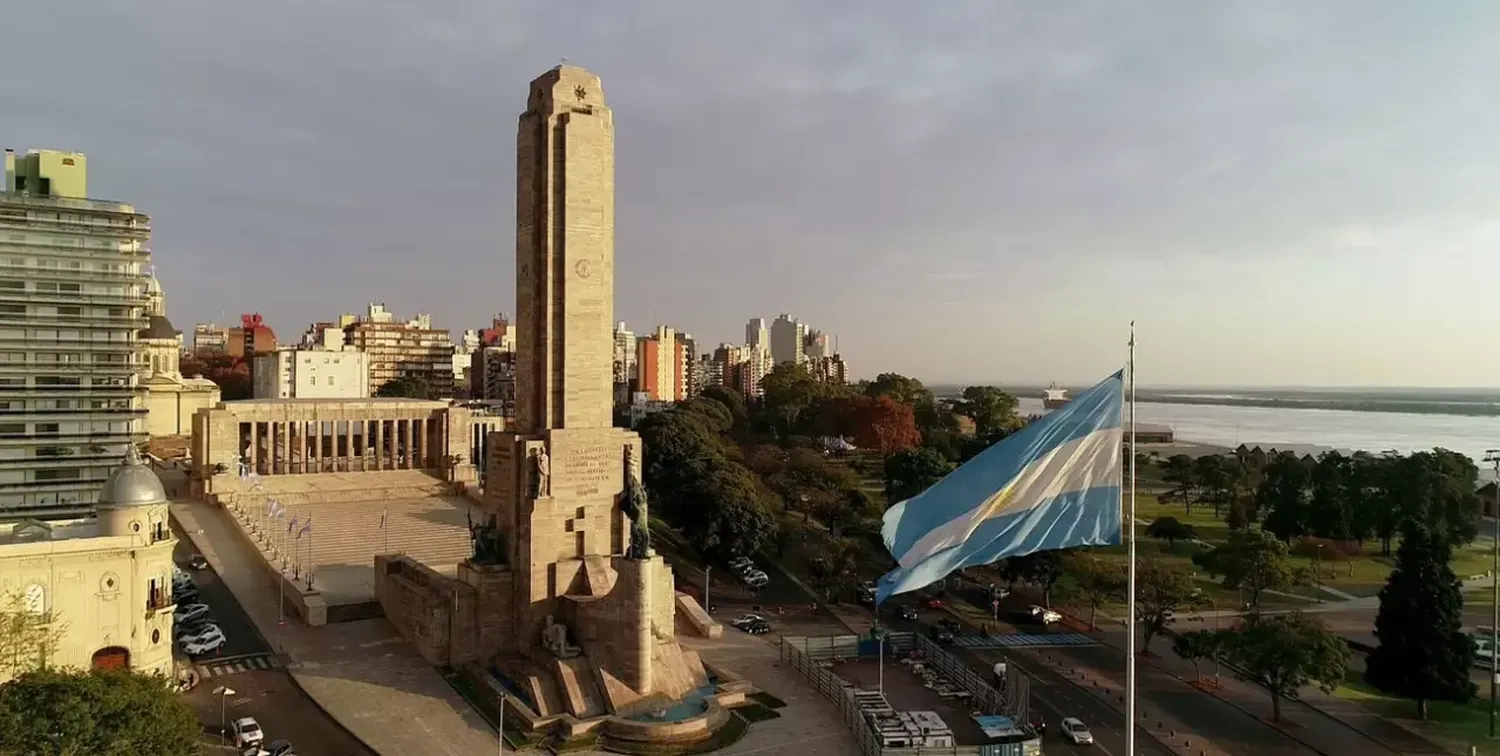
<point>1280,193</point>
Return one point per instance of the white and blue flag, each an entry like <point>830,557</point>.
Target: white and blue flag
<point>1054,484</point>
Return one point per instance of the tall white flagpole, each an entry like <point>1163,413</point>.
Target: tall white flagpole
<point>1130,582</point>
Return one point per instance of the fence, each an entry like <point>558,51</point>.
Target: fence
<point>809,655</point>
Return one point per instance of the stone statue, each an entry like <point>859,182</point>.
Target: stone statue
<point>541,484</point>
<point>487,541</point>
<point>635,507</point>
<point>555,639</point>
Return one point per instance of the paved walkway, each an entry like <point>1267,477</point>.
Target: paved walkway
<point>362,673</point>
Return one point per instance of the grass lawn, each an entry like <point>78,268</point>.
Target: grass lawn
<point>1466,723</point>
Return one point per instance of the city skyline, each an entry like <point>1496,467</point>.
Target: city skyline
<point>1279,195</point>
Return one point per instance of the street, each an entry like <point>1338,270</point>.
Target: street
<point>246,679</point>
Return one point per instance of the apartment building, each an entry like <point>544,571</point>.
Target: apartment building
<point>291,373</point>
<point>411,349</point>
<point>73,295</point>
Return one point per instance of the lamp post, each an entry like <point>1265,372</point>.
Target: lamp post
<point>707,605</point>
<point>1317,573</point>
<point>223,693</point>
<point>1493,457</point>
<point>500,729</point>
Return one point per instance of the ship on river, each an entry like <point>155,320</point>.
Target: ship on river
<point>1055,397</point>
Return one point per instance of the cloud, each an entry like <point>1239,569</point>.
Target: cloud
<point>302,159</point>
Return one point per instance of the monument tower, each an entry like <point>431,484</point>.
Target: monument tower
<point>566,571</point>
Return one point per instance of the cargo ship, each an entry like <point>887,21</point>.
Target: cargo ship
<point>1055,397</point>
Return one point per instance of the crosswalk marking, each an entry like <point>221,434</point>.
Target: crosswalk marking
<point>1025,640</point>
<point>237,665</point>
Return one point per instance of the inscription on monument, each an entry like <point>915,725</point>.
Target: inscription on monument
<point>588,471</point>
<point>501,476</point>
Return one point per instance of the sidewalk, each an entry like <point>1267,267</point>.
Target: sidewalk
<point>362,674</point>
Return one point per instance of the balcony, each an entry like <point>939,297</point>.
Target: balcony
<point>66,275</point>
<point>160,600</point>
<point>116,322</point>
<point>72,298</point>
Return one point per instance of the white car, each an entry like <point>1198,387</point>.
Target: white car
<point>201,635</point>
<point>1074,730</point>
<point>204,645</point>
<point>1047,616</point>
<point>247,732</point>
<point>740,563</point>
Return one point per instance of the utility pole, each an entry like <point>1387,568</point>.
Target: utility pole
<point>1493,457</point>
<point>707,605</point>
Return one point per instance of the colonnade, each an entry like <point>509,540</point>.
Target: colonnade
<point>275,447</point>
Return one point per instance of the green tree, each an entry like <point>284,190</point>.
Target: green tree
<point>910,472</point>
<point>1097,581</point>
<point>1332,500</point>
<point>1423,653</point>
<point>1199,646</point>
<point>992,409</point>
<point>1213,475</point>
<point>679,448</point>
<point>1282,498</point>
<point>908,391</point>
<point>1180,471</point>
<point>1040,568</point>
<point>28,637</point>
<point>1439,489</point>
<point>788,392</point>
<point>1251,561</point>
<point>406,387</point>
<point>1161,590</point>
<point>724,511</point>
<point>834,568</point>
<point>105,713</point>
<point>1375,480</point>
<point>1285,652</point>
<point>731,400</point>
<point>716,415</point>
<point>1171,530</point>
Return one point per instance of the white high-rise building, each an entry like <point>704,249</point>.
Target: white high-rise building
<point>788,336</point>
<point>73,297</point>
<point>756,334</point>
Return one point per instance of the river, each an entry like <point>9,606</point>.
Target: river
<point>1338,429</point>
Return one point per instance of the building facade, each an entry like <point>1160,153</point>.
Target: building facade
<point>625,377</point>
<point>105,582</point>
<point>788,339</point>
<point>312,374</point>
<point>171,397</point>
<point>252,337</point>
<point>493,372</point>
<point>73,297</point>
<point>660,366</point>
<point>756,333</point>
<point>413,349</point>
<point>207,336</point>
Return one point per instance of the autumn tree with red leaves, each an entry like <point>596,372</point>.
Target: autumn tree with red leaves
<point>885,425</point>
<point>231,373</point>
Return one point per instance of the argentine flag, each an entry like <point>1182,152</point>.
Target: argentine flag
<point>1052,485</point>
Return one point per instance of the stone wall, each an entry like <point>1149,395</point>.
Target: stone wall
<point>421,603</point>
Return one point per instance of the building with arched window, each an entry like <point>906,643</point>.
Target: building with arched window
<point>104,584</point>
<point>171,397</point>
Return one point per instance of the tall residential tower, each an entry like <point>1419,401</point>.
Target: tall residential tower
<point>73,295</point>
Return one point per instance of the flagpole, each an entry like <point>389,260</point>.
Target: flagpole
<point>1130,587</point>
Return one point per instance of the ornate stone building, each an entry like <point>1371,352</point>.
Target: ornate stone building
<point>171,397</point>
<point>105,583</point>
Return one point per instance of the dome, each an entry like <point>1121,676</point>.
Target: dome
<point>132,484</point>
<point>159,328</point>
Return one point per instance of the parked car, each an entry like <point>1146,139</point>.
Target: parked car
<point>1044,615</point>
<point>198,562</point>
<point>906,612</point>
<point>740,563</point>
<point>200,648</point>
<point>941,634</point>
<point>193,629</point>
<point>189,613</point>
<point>755,579</point>
<point>206,635</point>
<point>247,732</point>
<point>187,595</point>
<point>933,602</point>
<point>280,747</point>
<point>1039,724</point>
<point>1075,732</point>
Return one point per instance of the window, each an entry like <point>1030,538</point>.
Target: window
<point>12,429</point>
<point>46,429</point>
<point>330,380</point>
<point>70,474</point>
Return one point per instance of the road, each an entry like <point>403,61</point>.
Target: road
<point>252,680</point>
<point>1051,695</point>
<point>1219,722</point>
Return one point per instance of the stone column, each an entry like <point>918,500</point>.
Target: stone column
<point>273,451</point>
<point>254,453</point>
<point>423,452</point>
<point>317,441</point>
<point>410,442</point>
<point>348,435</point>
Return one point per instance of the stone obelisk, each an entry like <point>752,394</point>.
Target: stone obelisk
<point>555,477</point>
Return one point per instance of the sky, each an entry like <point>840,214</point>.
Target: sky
<point>1277,192</point>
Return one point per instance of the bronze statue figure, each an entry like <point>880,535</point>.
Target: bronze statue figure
<point>635,507</point>
<point>487,542</point>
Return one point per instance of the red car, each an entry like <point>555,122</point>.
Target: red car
<point>933,602</point>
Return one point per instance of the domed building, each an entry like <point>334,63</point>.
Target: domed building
<point>104,584</point>
<point>171,398</point>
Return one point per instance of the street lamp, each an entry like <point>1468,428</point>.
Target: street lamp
<point>707,605</point>
<point>1493,457</point>
<point>1317,573</point>
<point>223,693</point>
